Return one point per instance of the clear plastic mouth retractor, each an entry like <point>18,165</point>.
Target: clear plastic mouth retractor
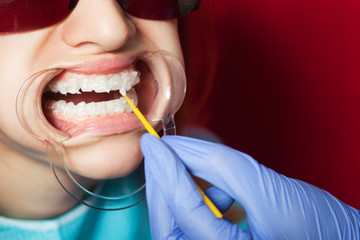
<point>169,96</point>
<point>170,86</point>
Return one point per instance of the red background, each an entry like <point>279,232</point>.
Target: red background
<point>287,87</point>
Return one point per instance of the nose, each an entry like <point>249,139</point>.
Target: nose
<point>98,25</point>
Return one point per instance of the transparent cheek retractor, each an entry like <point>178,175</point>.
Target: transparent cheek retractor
<point>168,85</point>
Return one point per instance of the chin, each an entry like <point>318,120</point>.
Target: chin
<point>104,157</point>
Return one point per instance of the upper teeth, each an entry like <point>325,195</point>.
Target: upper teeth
<point>123,82</point>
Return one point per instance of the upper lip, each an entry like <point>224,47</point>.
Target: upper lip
<point>101,65</point>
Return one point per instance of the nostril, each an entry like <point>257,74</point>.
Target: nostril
<point>73,4</point>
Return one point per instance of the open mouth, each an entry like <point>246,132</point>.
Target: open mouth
<point>75,103</point>
<point>60,103</point>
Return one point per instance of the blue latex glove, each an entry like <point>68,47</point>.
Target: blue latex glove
<point>277,207</point>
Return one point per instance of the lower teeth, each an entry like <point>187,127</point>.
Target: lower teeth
<point>84,110</point>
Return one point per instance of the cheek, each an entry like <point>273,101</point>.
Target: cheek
<point>159,35</point>
<point>107,157</point>
<point>15,60</point>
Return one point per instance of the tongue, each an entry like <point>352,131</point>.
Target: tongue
<point>86,97</point>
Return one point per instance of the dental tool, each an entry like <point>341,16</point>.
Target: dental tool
<point>152,131</point>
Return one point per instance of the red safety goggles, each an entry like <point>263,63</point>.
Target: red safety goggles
<point>27,15</point>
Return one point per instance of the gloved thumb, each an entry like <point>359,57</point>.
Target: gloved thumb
<point>191,215</point>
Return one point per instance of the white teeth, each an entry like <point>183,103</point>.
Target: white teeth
<point>101,84</point>
<point>123,81</point>
<point>84,110</point>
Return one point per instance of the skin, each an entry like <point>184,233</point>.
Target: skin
<point>28,189</point>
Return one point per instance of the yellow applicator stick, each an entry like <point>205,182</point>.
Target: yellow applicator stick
<point>152,131</point>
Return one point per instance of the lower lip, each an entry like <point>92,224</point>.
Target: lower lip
<point>99,126</point>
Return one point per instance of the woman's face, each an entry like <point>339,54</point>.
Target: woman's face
<point>97,41</point>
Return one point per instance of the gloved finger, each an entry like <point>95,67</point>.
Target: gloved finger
<point>161,221</point>
<point>221,200</point>
<point>236,173</point>
<point>276,206</point>
<point>190,213</point>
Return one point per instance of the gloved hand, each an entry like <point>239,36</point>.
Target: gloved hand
<point>277,207</point>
